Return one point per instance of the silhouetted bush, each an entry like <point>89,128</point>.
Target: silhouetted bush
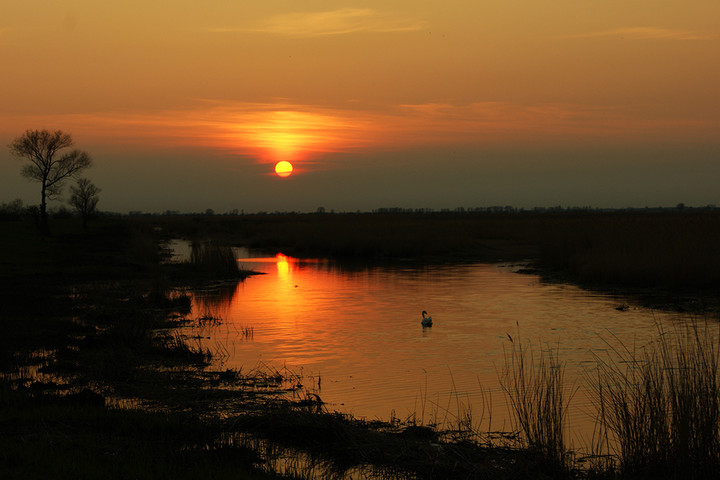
<point>12,211</point>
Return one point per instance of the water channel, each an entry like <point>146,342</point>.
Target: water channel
<point>354,334</point>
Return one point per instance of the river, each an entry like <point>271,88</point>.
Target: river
<point>354,334</point>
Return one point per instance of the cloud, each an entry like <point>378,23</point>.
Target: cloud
<point>647,33</point>
<point>509,123</point>
<point>266,132</point>
<point>262,131</point>
<point>333,22</point>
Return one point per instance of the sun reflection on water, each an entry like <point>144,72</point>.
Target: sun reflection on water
<point>283,266</point>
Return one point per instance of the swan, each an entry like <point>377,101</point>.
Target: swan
<point>426,321</point>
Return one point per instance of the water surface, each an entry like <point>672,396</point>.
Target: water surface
<point>355,334</point>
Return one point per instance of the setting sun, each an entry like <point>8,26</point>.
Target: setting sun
<point>472,104</point>
<point>283,169</point>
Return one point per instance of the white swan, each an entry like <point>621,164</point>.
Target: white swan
<point>426,321</point>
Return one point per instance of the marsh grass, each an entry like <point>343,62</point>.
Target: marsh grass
<point>535,388</point>
<point>452,419</point>
<point>661,249</point>
<point>49,436</point>
<point>176,344</point>
<point>242,332</point>
<point>659,406</point>
<point>86,324</point>
<point>246,332</point>
<point>341,444</point>
<point>214,257</point>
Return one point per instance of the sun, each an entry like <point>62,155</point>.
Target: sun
<point>283,169</point>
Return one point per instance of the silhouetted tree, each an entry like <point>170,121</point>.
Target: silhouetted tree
<point>47,165</point>
<point>85,199</point>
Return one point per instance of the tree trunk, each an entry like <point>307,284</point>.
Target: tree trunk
<point>44,227</point>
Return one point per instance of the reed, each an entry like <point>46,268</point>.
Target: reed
<point>176,344</point>
<point>534,386</point>
<point>665,249</point>
<point>661,404</point>
<point>214,257</point>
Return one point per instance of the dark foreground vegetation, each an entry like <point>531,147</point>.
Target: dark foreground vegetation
<point>96,382</point>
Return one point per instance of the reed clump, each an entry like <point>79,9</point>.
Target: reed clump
<point>659,406</point>
<point>175,344</point>
<point>214,257</point>
<point>535,388</point>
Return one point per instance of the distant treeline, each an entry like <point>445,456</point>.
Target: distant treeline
<point>423,211</point>
<point>16,209</point>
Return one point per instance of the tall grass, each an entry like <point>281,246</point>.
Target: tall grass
<point>661,404</point>
<point>211,256</point>
<point>666,249</point>
<point>534,385</point>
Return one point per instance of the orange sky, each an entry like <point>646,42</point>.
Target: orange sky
<point>187,105</point>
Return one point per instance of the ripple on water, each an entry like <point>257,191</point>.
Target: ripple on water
<point>360,332</point>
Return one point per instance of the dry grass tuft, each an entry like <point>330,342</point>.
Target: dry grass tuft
<point>659,406</point>
<point>534,385</point>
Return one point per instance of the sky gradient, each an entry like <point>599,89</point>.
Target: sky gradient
<point>188,105</point>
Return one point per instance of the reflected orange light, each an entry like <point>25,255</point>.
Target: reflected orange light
<point>283,266</point>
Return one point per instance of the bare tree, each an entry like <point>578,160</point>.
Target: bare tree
<point>46,165</point>
<point>85,199</point>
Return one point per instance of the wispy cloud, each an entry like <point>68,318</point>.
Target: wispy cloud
<point>647,33</point>
<point>333,22</point>
<point>266,132</point>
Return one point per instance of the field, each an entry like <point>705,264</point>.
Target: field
<point>95,381</point>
